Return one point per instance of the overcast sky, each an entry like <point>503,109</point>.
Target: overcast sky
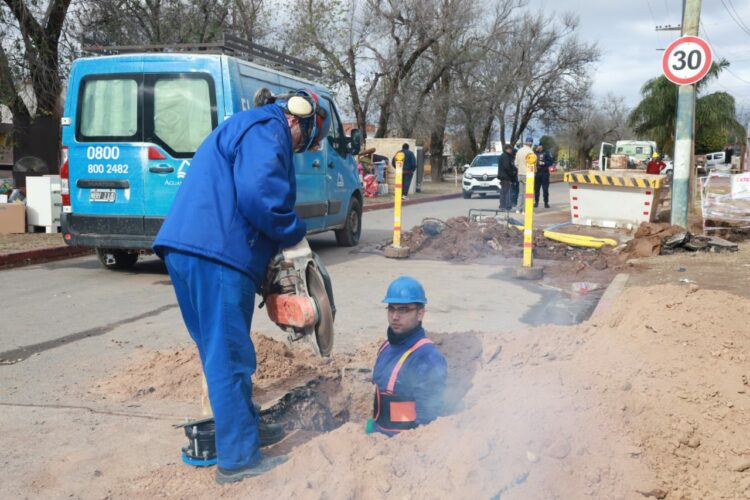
<point>624,31</point>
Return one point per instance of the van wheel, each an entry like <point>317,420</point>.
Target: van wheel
<point>116,259</point>
<point>348,236</point>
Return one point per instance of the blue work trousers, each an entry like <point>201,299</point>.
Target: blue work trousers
<point>217,303</point>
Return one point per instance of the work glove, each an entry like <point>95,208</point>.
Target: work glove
<point>298,251</point>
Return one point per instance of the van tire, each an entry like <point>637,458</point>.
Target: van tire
<point>348,236</point>
<point>119,260</point>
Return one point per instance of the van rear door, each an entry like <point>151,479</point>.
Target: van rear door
<point>104,162</point>
<point>179,112</point>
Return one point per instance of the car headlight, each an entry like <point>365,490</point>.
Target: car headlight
<point>467,175</point>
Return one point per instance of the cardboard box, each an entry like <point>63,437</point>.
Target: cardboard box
<point>12,218</point>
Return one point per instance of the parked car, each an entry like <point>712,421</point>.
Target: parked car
<point>481,176</point>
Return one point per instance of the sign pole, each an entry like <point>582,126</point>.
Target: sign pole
<point>685,129</point>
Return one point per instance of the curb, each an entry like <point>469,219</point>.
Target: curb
<point>29,257</point>
<point>613,291</point>
<point>415,201</point>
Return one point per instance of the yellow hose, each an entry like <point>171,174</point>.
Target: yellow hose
<point>580,240</point>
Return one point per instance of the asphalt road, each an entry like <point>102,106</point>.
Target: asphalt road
<point>47,306</point>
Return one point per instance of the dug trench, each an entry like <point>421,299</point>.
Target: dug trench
<point>648,399</point>
<point>306,394</point>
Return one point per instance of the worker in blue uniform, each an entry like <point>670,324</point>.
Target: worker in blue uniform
<point>410,372</point>
<point>233,212</point>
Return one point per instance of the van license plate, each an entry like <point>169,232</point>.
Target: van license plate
<point>102,195</point>
<point>484,184</point>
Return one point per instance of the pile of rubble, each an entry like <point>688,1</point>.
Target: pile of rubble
<point>653,239</point>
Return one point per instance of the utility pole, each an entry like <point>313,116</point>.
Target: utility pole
<point>685,128</point>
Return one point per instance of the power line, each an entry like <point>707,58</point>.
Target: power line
<point>738,15</point>
<point>736,20</point>
<point>708,37</point>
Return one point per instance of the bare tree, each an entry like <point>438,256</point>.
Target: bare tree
<point>133,22</point>
<point>29,65</point>
<point>339,34</point>
<point>549,67</point>
<point>584,128</point>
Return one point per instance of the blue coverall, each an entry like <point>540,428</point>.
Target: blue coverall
<point>422,378</point>
<point>232,213</point>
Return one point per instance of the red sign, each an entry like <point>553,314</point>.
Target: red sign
<point>687,60</point>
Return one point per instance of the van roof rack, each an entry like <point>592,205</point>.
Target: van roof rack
<point>230,45</point>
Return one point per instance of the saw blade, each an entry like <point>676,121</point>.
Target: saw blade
<point>324,326</point>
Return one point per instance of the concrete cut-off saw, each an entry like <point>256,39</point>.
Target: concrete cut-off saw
<point>298,297</point>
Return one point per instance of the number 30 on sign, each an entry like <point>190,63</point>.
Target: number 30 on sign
<point>687,60</point>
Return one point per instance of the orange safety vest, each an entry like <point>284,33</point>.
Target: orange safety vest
<point>391,412</point>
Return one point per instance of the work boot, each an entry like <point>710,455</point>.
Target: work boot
<point>270,433</point>
<point>265,464</point>
<point>546,205</point>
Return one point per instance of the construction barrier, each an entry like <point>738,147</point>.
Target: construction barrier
<point>613,198</point>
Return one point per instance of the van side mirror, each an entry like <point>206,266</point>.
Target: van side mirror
<point>355,141</point>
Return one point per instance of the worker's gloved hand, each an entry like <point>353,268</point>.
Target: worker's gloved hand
<point>298,251</point>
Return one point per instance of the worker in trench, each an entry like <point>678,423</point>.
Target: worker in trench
<point>410,371</point>
<point>233,212</point>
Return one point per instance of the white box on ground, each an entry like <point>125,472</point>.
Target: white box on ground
<point>613,198</point>
<point>43,202</point>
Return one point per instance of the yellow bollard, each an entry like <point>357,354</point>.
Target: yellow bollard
<point>396,251</point>
<point>528,221</point>
<point>400,157</point>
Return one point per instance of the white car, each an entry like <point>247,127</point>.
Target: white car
<point>481,176</point>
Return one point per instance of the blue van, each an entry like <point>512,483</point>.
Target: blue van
<point>132,124</point>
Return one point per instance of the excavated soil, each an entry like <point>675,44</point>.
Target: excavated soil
<point>175,374</point>
<point>646,400</point>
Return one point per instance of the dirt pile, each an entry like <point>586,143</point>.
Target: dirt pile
<point>461,239</point>
<point>647,400</point>
<point>653,239</point>
<point>176,374</point>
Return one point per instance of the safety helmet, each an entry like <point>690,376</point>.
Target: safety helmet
<point>655,155</point>
<point>315,120</point>
<point>405,290</point>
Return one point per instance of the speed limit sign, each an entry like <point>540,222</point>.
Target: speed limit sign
<point>687,60</point>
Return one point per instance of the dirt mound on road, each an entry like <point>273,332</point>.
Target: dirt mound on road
<point>647,400</point>
<point>175,374</point>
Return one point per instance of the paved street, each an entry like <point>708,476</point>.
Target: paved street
<point>72,300</point>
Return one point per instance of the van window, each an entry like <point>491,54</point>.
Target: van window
<point>109,108</point>
<point>182,112</point>
<point>335,133</point>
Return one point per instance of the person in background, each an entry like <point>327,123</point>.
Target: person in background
<point>521,155</point>
<point>508,174</point>
<point>410,371</point>
<point>233,212</point>
<point>541,180</point>
<point>655,165</point>
<point>410,166</point>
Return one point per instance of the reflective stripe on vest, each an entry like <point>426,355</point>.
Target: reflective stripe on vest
<point>399,413</point>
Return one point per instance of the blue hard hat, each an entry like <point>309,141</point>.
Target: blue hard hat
<point>405,290</point>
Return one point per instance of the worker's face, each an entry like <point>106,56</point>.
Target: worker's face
<point>298,136</point>
<point>404,317</point>
<point>296,130</point>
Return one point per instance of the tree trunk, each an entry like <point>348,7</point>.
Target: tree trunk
<point>437,142</point>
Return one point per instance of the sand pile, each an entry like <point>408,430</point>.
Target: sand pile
<point>175,374</point>
<point>648,400</point>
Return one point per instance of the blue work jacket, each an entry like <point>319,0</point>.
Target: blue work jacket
<point>422,377</point>
<point>236,203</point>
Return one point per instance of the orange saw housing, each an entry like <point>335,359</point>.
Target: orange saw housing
<point>291,310</point>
